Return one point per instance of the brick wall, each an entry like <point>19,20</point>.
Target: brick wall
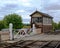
<point>4,35</point>
<point>47,28</point>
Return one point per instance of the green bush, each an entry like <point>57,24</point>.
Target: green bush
<point>2,25</point>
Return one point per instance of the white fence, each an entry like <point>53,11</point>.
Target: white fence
<point>21,32</point>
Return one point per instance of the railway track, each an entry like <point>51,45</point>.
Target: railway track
<point>33,44</point>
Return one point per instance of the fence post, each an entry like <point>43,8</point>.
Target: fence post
<point>33,27</point>
<point>11,31</point>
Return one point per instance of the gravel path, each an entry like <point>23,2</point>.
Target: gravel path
<point>42,37</point>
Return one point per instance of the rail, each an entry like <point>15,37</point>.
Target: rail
<point>34,44</point>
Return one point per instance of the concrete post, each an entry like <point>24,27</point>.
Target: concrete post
<point>10,30</point>
<point>33,27</point>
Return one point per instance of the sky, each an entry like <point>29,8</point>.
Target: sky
<point>26,7</point>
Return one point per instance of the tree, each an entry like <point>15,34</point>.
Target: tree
<point>59,25</point>
<point>55,25</point>
<point>2,25</point>
<point>15,19</point>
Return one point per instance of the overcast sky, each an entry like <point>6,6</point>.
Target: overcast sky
<point>26,7</point>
